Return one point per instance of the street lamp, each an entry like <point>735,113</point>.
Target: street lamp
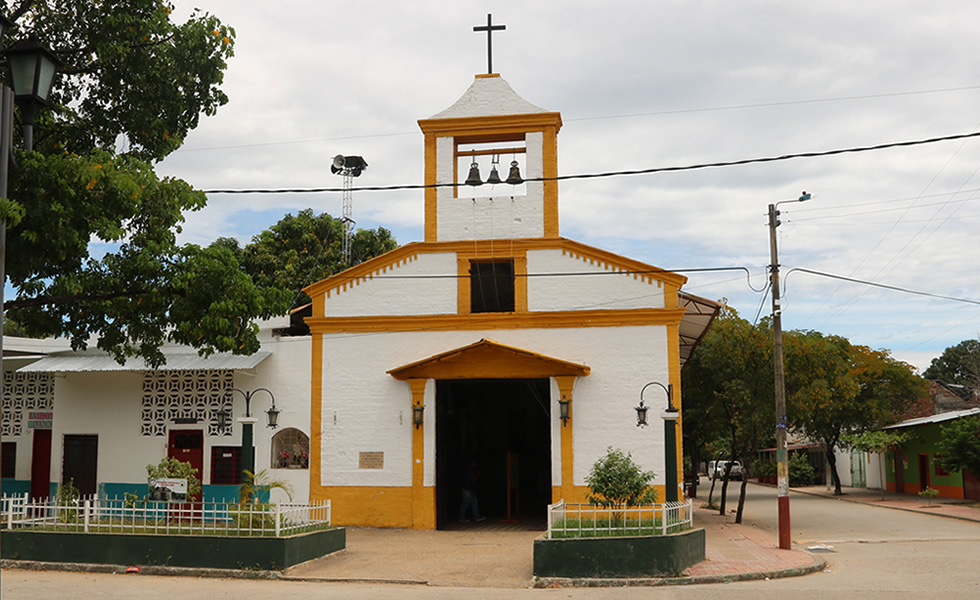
<point>32,71</point>
<point>670,416</point>
<point>248,450</point>
<point>48,68</point>
<point>782,457</point>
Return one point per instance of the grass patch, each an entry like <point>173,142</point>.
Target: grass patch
<point>172,528</point>
<point>601,528</point>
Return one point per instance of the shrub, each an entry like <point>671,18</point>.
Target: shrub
<point>615,480</point>
<point>800,470</point>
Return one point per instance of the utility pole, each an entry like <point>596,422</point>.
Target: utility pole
<point>782,456</point>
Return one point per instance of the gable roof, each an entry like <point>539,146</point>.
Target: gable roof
<point>471,362</point>
<point>409,252</point>
<point>941,417</point>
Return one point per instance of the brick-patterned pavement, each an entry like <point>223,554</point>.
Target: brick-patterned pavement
<point>738,549</point>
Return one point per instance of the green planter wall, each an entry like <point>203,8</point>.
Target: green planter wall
<point>262,553</point>
<point>641,556</point>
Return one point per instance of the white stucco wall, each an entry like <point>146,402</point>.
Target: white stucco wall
<point>623,360</point>
<point>395,292</point>
<point>109,404</point>
<point>585,292</point>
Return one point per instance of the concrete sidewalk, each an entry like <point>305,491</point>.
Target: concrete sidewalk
<point>497,555</point>
<point>485,556</point>
<point>968,510</point>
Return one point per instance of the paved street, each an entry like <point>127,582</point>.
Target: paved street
<point>876,553</point>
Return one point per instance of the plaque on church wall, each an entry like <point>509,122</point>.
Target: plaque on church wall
<point>372,460</point>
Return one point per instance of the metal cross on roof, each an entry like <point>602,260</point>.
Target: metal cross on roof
<point>490,28</point>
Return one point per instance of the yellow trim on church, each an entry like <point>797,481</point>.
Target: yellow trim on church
<point>380,265</point>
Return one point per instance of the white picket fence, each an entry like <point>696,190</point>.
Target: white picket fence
<point>115,515</point>
<point>587,520</point>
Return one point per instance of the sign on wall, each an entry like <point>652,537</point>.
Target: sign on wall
<point>39,420</point>
<point>168,490</point>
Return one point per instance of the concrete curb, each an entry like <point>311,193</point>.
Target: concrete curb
<point>818,564</point>
<point>36,565</point>
<point>903,508</point>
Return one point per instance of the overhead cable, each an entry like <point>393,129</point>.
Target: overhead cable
<point>694,167</point>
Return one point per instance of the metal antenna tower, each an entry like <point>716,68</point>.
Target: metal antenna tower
<point>348,167</point>
<point>346,219</point>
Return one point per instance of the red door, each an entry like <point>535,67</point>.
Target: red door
<point>971,486</point>
<point>41,464</point>
<point>899,471</point>
<point>187,445</point>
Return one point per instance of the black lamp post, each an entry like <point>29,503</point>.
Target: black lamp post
<point>46,66</point>
<point>670,416</point>
<point>248,449</point>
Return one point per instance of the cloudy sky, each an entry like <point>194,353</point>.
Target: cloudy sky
<point>644,85</point>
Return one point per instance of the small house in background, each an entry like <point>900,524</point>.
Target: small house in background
<point>914,467</point>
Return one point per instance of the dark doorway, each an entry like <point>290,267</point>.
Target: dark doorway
<point>187,445</point>
<point>923,471</point>
<point>79,463</point>
<point>899,471</point>
<point>41,464</point>
<point>505,426</point>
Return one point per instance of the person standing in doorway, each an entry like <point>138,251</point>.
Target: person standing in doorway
<point>471,479</point>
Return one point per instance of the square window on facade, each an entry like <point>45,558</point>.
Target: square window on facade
<point>492,286</point>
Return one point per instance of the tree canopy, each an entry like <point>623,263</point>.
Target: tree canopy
<point>835,389</point>
<point>132,84</point>
<point>957,364</point>
<point>728,392</point>
<point>303,249</point>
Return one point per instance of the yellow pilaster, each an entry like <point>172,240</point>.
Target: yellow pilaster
<point>431,193</point>
<point>565,385</point>
<point>423,504</point>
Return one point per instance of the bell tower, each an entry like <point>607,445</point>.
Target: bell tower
<point>490,127</point>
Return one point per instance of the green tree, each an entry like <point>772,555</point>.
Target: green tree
<point>728,384</point>
<point>305,248</point>
<point>133,84</point>
<point>835,389</point>
<point>615,481</point>
<point>959,445</point>
<point>958,364</point>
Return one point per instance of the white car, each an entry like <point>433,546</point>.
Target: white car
<point>719,470</point>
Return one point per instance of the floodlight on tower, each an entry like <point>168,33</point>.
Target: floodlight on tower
<point>348,167</point>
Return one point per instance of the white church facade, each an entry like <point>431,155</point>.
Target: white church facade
<point>494,341</point>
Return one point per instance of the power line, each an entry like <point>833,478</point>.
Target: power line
<point>747,161</point>
<point>884,286</point>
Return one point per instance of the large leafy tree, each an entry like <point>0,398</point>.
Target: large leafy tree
<point>133,84</point>
<point>305,248</point>
<point>727,392</point>
<point>958,364</point>
<point>835,389</point>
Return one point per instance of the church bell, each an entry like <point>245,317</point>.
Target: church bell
<point>514,178</point>
<point>494,177</point>
<point>474,177</point>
